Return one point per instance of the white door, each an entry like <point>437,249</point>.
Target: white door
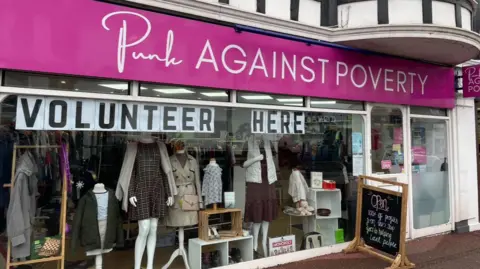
<point>387,136</point>
<point>431,189</point>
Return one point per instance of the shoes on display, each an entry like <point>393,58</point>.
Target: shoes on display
<point>257,255</point>
<point>206,260</point>
<point>215,259</point>
<point>236,255</point>
<point>215,233</point>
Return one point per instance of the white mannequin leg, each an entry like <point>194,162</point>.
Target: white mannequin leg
<point>151,242</point>
<point>179,252</point>
<point>98,261</point>
<point>256,231</point>
<point>265,226</point>
<point>143,231</point>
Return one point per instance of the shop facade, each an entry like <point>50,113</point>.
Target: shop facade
<point>328,112</point>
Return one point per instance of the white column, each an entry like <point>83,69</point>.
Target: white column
<point>464,160</point>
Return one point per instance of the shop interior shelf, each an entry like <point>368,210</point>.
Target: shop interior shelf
<point>197,246</point>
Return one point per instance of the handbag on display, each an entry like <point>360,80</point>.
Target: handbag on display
<point>189,202</point>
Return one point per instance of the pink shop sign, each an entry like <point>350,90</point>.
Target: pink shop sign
<point>471,81</point>
<point>92,38</point>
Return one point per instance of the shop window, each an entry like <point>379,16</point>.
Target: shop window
<point>64,83</point>
<point>428,111</point>
<point>180,92</point>
<point>269,172</point>
<point>269,99</point>
<point>336,104</point>
<point>387,140</point>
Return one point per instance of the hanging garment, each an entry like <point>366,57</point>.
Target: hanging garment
<point>254,169</point>
<point>212,184</point>
<point>297,186</point>
<point>127,168</point>
<point>21,212</point>
<point>149,184</point>
<point>187,180</point>
<point>88,231</point>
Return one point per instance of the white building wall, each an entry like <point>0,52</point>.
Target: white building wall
<point>247,5</point>
<point>443,13</point>
<point>466,19</point>
<point>309,12</point>
<point>357,14</point>
<point>465,163</point>
<point>405,11</point>
<point>278,8</point>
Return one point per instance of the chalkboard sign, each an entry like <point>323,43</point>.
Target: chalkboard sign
<point>381,220</point>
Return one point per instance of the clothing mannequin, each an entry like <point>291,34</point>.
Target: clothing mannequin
<point>97,224</point>
<point>102,204</point>
<point>212,184</point>
<point>187,180</point>
<point>261,200</point>
<point>147,183</point>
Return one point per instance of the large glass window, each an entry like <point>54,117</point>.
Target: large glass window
<point>431,190</point>
<point>272,178</point>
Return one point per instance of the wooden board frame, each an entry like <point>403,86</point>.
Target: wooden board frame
<point>400,261</point>
<point>60,258</point>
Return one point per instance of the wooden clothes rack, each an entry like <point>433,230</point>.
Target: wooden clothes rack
<point>63,214</point>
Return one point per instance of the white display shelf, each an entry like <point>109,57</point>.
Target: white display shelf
<point>195,246</point>
<point>325,225</point>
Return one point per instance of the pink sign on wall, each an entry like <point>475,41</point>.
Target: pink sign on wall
<point>471,81</point>
<point>91,38</point>
<point>386,164</point>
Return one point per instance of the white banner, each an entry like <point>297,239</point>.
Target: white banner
<point>56,113</point>
<point>277,122</point>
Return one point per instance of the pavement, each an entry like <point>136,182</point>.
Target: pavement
<point>451,251</point>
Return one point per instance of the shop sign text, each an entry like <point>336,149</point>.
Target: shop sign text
<point>56,113</point>
<point>277,122</point>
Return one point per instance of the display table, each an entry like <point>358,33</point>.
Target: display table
<point>195,247</point>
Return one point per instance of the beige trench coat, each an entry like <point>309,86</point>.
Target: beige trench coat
<point>187,181</point>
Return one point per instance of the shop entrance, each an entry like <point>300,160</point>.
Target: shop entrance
<point>412,147</point>
<point>386,141</point>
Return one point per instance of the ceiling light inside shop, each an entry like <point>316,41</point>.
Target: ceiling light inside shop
<point>173,91</point>
<point>63,82</point>
<point>286,100</point>
<point>289,104</point>
<point>214,94</point>
<point>257,97</point>
<point>120,87</point>
<point>326,102</point>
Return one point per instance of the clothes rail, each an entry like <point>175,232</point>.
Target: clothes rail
<point>60,258</point>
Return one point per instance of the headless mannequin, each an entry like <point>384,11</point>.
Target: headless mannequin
<point>147,235</point>
<point>97,189</point>
<point>182,158</point>
<point>265,224</point>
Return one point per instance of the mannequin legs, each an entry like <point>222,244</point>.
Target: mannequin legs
<point>147,236</point>
<point>98,262</point>
<point>256,230</point>
<point>265,226</point>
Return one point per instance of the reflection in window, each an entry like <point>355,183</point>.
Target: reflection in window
<point>387,140</point>
<point>180,92</point>
<point>269,99</point>
<point>64,83</point>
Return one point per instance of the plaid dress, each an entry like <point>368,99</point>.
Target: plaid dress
<point>149,184</point>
